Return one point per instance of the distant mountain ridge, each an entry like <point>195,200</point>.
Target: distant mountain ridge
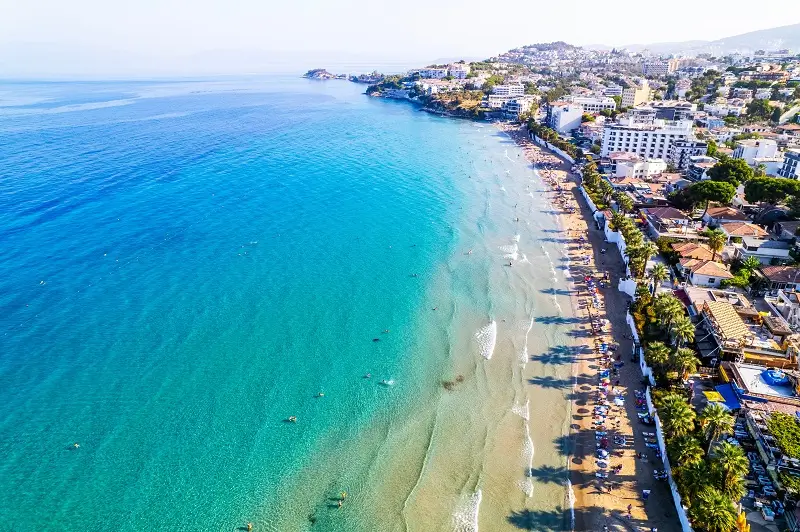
<point>769,39</point>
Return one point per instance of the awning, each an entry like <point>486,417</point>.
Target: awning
<point>714,397</point>
<point>731,401</point>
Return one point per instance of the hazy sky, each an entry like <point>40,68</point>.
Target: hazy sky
<point>156,33</point>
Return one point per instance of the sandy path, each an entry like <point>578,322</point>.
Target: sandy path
<point>594,505</point>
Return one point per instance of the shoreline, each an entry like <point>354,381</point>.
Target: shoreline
<point>594,506</point>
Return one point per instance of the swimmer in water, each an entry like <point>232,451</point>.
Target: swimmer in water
<point>469,252</point>
<point>292,419</point>
<point>320,394</point>
<point>368,376</point>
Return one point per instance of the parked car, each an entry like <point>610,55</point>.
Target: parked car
<point>777,506</point>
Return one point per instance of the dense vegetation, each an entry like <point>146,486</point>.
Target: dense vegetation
<point>786,431</point>
<point>548,135</point>
<point>709,473</point>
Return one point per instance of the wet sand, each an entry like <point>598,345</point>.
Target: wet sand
<point>601,502</point>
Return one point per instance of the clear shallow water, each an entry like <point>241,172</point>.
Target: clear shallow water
<point>185,265</point>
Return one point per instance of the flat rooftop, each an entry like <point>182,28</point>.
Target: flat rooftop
<point>751,376</point>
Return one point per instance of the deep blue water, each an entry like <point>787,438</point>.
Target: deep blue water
<point>185,265</point>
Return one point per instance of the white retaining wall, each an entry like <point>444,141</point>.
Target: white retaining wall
<point>676,497</point>
<point>589,201</point>
<point>646,370</point>
<point>552,148</point>
<point>627,286</point>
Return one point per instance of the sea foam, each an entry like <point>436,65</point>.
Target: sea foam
<point>465,518</point>
<point>487,338</point>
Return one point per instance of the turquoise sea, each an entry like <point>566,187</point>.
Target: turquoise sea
<point>185,265</point>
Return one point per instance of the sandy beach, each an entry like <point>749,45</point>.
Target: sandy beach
<point>616,501</point>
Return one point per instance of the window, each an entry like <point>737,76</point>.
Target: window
<point>711,280</point>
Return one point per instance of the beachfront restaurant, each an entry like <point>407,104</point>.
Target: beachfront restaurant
<point>742,333</point>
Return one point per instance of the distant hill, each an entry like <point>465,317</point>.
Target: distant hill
<point>769,39</point>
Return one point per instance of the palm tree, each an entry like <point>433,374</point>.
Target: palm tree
<point>606,190</point>
<point>713,511</point>
<point>716,241</point>
<point>685,451</point>
<point>751,264</point>
<point>684,361</point>
<point>692,478</point>
<point>716,420</point>
<point>658,274</point>
<point>667,308</point>
<point>656,354</point>
<point>730,464</point>
<point>617,221</point>
<point>677,415</point>
<point>624,202</point>
<point>683,330</point>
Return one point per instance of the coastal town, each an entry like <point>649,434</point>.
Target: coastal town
<point>677,180</point>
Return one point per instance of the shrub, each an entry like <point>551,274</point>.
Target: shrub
<point>786,431</point>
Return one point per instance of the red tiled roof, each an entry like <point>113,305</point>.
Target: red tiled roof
<point>743,229</point>
<point>781,274</point>
<point>665,213</point>
<point>693,251</point>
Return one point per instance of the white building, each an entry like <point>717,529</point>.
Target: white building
<point>771,165</point>
<point>433,73</point>
<point>681,151</point>
<point>640,168</point>
<point>612,90</point>
<point>660,68</point>
<point>564,116</point>
<point>459,71</point>
<point>751,149</point>
<point>498,102</point>
<point>742,92</point>
<point>594,105</point>
<point>763,94</point>
<point>509,90</point>
<point>519,105</point>
<point>648,141</point>
<point>791,165</point>
<point>682,86</point>
<point>724,109</point>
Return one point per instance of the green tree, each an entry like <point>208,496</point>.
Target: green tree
<point>713,511</point>
<point>733,171</point>
<point>716,420</point>
<point>692,478</point>
<point>685,451</point>
<point>656,354</point>
<point>667,309</point>
<point>676,415</point>
<point>618,220</point>
<point>770,190</point>
<point>708,191</point>
<point>624,202</point>
<point>684,360</point>
<point>658,274</point>
<point>750,264</point>
<point>606,190</point>
<point>716,241</point>
<point>775,117</point>
<point>683,330</point>
<point>712,148</point>
<point>730,465</point>
<point>759,109</point>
